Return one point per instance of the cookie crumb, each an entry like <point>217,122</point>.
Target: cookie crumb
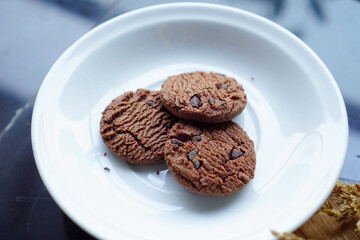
<point>27,124</point>
<point>107,169</point>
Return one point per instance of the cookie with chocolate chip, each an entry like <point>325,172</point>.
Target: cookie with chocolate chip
<point>135,127</point>
<point>210,159</point>
<point>203,97</point>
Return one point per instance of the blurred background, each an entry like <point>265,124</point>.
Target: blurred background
<point>34,33</point>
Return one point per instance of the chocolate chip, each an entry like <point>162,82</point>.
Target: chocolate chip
<point>235,154</point>
<point>197,164</point>
<point>193,154</point>
<point>195,102</point>
<point>222,103</point>
<point>218,85</point>
<point>157,172</point>
<point>105,154</point>
<point>225,87</point>
<point>107,169</point>
<point>198,138</point>
<point>183,137</point>
<point>176,142</point>
<point>211,101</point>
<point>150,103</point>
<point>178,108</point>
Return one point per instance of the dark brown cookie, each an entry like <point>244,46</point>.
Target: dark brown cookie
<point>210,159</point>
<point>135,127</point>
<point>203,97</point>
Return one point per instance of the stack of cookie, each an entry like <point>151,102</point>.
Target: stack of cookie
<point>188,125</point>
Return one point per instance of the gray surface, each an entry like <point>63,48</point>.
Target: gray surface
<point>34,33</point>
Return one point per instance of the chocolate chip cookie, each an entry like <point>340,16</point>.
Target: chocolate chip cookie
<point>210,159</point>
<point>135,126</point>
<point>203,97</point>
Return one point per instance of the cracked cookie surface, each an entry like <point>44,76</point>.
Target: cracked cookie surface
<point>210,159</point>
<point>135,125</point>
<point>203,97</point>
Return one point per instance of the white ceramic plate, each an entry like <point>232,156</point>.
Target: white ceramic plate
<point>295,115</point>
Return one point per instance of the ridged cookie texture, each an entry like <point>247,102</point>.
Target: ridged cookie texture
<point>135,127</point>
<point>203,97</point>
<point>210,159</point>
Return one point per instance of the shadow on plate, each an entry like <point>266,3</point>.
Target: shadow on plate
<point>180,196</point>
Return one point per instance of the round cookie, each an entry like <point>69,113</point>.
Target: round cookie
<point>210,159</point>
<point>135,126</point>
<point>203,97</point>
